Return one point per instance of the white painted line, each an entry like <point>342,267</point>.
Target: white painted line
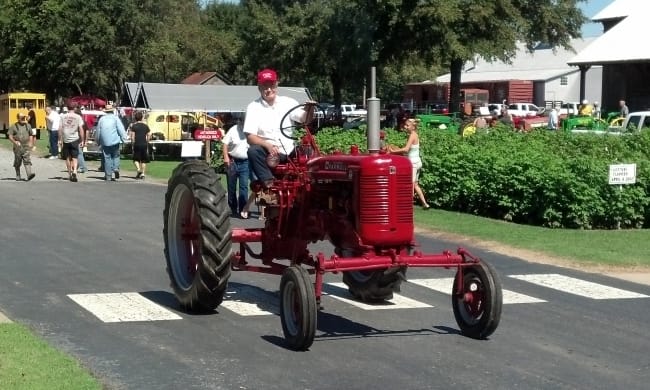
<point>444,285</point>
<point>578,287</point>
<point>340,292</point>
<point>251,301</point>
<point>123,307</point>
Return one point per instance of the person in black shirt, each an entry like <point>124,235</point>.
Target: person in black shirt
<point>139,133</point>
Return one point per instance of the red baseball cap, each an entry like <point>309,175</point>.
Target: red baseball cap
<point>266,75</point>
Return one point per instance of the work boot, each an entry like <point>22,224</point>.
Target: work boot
<point>30,174</point>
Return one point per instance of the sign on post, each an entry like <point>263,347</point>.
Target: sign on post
<point>622,174</point>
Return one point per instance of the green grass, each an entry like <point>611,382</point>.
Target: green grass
<point>27,362</point>
<point>620,248</point>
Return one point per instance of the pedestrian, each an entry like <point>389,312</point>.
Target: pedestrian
<point>140,134</point>
<point>624,111</point>
<point>262,126</point>
<point>20,135</point>
<point>71,140</point>
<point>553,119</point>
<point>412,149</point>
<point>235,157</point>
<point>81,160</point>
<point>109,134</point>
<point>53,121</point>
<point>31,119</point>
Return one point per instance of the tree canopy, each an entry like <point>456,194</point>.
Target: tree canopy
<point>66,47</point>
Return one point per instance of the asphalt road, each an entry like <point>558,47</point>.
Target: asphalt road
<point>65,245</point>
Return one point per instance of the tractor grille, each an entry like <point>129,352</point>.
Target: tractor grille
<point>383,202</point>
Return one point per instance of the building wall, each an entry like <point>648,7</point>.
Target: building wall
<point>630,82</point>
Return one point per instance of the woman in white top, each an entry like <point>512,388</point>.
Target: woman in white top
<point>412,149</point>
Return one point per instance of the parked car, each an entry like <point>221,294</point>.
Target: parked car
<point>635,121</point>
<point>524,109</point>
<point>569,108</point>
<point>439,108</point>
<point>496,108</point>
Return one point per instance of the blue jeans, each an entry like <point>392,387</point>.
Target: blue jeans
<point>237,173</point>
<point>54,142</point>
<point>81,161</point>
<point>111,159</point>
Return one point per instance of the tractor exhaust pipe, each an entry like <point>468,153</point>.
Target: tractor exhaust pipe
<point>373,116</point>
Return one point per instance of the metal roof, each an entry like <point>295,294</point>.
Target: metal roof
<point>622,8</point>
<point>208,98</point>
<point>622,43</point>
<point>542,64</point>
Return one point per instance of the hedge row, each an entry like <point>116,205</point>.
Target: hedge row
<point>542,178</point>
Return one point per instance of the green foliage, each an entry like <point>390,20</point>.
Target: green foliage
<point>550,179</point>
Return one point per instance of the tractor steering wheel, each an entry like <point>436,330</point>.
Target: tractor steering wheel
<point>299,125</point>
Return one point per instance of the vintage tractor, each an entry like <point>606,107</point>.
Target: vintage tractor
<point>361,202</point>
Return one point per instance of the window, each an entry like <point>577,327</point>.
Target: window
<point>564,80</point>
<point>633,123</point>
<point>160,118</point>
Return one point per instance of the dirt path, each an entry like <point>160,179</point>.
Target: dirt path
<point>634,274</point>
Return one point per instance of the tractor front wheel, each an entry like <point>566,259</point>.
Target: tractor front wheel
<point>477,304</point>
<point>197,236</point>
<point>298,308</point>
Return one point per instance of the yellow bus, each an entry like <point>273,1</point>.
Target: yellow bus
<point>14,102</point>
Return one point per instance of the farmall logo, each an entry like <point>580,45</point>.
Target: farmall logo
<point>335,166</point>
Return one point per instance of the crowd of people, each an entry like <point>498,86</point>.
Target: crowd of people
<point>68,134</point>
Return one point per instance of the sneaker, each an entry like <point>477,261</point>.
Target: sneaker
<point>138,175</point>
<point>113,179</point>
<point>142,177</point>
<point>31,176</point>
<point>73,177</point>
<point>117,174</point>
<point>18,178</point>
<point>53,158</point>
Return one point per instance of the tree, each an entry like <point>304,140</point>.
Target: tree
<point>456,31</point>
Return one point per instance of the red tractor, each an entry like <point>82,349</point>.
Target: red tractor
<point>362,203</point>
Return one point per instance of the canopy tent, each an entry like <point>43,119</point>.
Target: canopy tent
<point>87,101</point>
<point>206,98</point>
<point>129,94</point>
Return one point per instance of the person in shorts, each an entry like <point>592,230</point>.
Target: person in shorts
<point>71,140</point>
<point>139,133</point>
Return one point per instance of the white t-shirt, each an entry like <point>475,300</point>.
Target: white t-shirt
<point>70,126</point>
<point>53,120</point>
<point>263,120</point>
<point>235,141</point>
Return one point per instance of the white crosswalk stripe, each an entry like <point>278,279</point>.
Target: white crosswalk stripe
<point>248,300</point>
<point>340,292</point>
<point>578,287</point>
<point>444,285</point>
<point>123,307</point>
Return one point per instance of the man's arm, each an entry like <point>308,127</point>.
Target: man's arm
<point>10,134</point>
<point>120,129</point>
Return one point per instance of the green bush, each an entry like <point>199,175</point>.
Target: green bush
<point>540,178</point>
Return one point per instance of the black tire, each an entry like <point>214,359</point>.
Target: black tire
<point>374,286</point>
<point>197,236</point>
<point>478,306</point>
<point>298,308</point>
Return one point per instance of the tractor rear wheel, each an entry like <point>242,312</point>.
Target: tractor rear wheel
<point>374,286</point>
<point>477,306</point>
<point>197,236</point>
<point>298,308</point>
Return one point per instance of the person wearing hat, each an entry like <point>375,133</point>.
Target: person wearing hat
<point>71,140</point>
<point>262,126</point>
<point>20,136</point>
<point>109,134</point>
<point>586,109</point>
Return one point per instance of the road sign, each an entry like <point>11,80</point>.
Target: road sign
<point>622,174</point>
<point>207,134</point>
